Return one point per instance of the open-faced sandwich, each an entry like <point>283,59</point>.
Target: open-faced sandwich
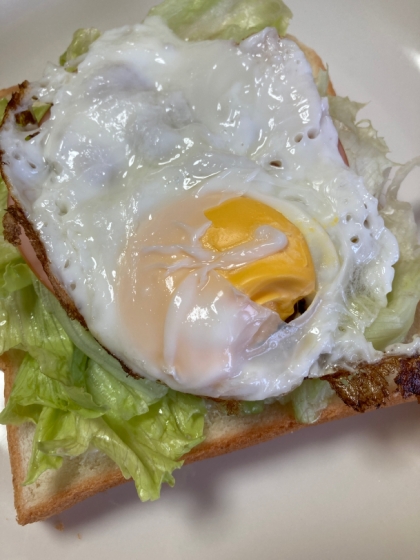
<point>203,250</point>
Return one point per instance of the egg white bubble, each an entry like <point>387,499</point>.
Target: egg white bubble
<point>150,121</point>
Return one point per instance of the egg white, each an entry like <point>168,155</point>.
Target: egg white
<point>148,120</point>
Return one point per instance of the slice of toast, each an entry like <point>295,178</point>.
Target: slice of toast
<point>93,472</point>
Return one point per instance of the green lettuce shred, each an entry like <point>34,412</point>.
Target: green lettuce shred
<point>15,277</point>
<point>322,81</point>
<point>309,400</point>
<point>81,41</point>
<point>39,110</point>
<point>197,20</point>
<point>95,410</point>
<point>251,407</point>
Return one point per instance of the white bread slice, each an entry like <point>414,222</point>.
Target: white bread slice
<point>93,472</point>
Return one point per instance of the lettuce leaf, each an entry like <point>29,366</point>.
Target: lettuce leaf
<point>39,110</point>
<point>145,448</point>
<point>197,20</point>
<point>33,391</point>
<point>309,400</point>
<point>14,277</point>
<point>398,215</point>
<point>27,326</point>
<point>322,82</point>
<point>394,321</point>
<point>80,43</point>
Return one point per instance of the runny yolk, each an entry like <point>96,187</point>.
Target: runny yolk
<point>277,281</point>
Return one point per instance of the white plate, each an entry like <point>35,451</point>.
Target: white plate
<point>346,490</point>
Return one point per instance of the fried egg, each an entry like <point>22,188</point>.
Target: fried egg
<point>193,203</point>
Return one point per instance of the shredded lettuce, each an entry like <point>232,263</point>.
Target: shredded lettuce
<point>95,410</point>
<point>322,81</point>
<point>251,407</point>
<point>309,400</point>
<point>81,41</point>
<point>197,20</point>
<point>398,215</point>
<point>15,277</point>
<point>39,110</point>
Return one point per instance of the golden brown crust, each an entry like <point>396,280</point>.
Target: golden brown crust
<point>11,229</point>
<point>369,386</point>
<point>408,378</point>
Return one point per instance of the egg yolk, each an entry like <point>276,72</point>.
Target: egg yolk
<point>278,281</point>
